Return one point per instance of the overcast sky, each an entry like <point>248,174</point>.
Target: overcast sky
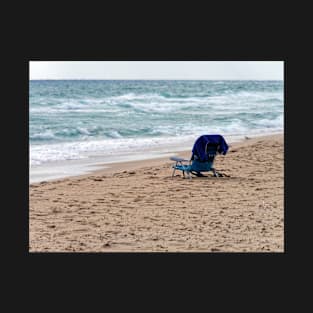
<point>219,70</point>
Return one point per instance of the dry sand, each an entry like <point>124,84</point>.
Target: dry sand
<point>139,207</point>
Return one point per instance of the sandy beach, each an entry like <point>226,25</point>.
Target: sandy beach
<point>138,207</point>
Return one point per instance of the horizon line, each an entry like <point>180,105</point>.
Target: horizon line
<point>198,79</point>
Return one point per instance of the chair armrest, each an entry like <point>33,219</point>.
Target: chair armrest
<point>178,159</point>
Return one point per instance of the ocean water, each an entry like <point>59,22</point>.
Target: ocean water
<point>78,119</point>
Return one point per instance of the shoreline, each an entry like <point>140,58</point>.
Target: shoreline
<point>138,207</point>
<point>118,166</point>
<point>82,167</point>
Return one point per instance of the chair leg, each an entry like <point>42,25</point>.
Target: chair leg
<point>173,172</point>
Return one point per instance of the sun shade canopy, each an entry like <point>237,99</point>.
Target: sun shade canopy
<point>200,146</point>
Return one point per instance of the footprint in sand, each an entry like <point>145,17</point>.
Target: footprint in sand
<point>137,199</point>
<point>97,179</point>
<point>114,200</point>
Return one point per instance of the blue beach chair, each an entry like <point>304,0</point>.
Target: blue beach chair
<point>205,148</point>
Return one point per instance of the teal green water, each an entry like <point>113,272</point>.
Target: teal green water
<point>69,118</point>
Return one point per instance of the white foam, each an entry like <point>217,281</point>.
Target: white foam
<point>65,168</point>
<point>173,136</point>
